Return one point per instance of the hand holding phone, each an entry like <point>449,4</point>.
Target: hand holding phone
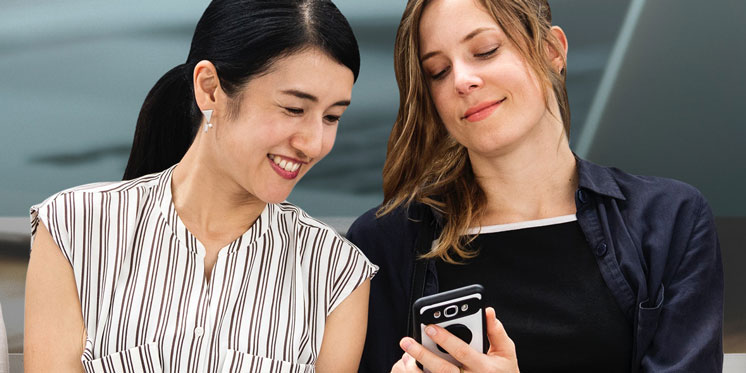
<point>459,311</point>
<point>500,357</point>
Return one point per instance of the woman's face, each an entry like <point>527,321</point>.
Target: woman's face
<point>286,123</point>
<point>484,90</point>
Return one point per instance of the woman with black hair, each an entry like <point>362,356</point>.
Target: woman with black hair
<point>195,262</point>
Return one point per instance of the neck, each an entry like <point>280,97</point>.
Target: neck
<point>536,179</point>
<point>212,205</point>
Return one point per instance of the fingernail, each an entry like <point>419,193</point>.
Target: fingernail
<point>431,331</point>
<point>405,343</point>
<point>405,358</point>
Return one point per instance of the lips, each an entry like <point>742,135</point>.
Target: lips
<point>482,110</point>
<point>287,168</point>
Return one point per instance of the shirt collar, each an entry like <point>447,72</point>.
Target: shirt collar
<point>597,179</point>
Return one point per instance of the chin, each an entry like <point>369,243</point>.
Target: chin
<point>487,147</point>
<point>274,196</point>
<point>498,141</point>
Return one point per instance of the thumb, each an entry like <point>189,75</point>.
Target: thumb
<point>410,363</point>
<point>500,343</point>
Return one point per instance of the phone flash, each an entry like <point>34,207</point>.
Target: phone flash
<point>464,307</point>
<point>436,314</point>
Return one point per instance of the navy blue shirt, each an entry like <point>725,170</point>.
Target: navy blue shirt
<point>654,241</point>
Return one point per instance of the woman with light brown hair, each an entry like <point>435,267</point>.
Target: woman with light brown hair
<point>587,268</point>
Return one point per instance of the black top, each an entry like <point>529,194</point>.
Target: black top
<point>548,292</point>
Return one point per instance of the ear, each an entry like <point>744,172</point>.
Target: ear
<point>558,58</point>
<point>206,85</point>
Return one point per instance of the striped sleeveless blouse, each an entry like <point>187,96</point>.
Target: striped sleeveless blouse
<point>147,306</point>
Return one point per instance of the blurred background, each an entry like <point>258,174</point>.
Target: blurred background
<point>656,87</point>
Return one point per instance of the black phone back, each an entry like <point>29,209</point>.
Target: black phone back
<point>460,311</point>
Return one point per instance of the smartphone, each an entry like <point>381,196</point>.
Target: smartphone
<point>460,311</point>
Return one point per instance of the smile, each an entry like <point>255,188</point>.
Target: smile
<point>285,167</point>
<point>481,111</point>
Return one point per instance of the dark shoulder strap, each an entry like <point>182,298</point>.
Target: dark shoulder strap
<point>423,244</point>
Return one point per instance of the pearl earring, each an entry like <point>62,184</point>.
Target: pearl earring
<point>208,116</point>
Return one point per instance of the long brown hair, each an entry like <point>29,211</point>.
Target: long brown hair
<point>423,162</point>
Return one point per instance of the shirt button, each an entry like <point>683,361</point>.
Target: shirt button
<point>581,196</point>
<point>601,249</point>
<point>198,331</point>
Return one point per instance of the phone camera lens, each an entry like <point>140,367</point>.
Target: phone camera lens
<point>436,314</point>
<point>451,311</point>
<point>464,307</point>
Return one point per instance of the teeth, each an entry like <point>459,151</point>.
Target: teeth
<point>285,164</point>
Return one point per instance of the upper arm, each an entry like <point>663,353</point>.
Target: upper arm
<point>688,334</point>
<point>388,242</point>
<point>54,332</point>
<point>344,333</point>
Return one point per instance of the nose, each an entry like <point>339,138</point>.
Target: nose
<point>466,80</point>
<point>308,140</point>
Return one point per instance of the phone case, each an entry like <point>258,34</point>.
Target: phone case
<point>460,311</point>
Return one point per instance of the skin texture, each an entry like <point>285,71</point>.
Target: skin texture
<point>485,68</point>
<point>225,179</point>
<point>54,335</point>
<point>220,188</point>
<point>521,146</point>
<point>501,356</point>
<point>519,151</point>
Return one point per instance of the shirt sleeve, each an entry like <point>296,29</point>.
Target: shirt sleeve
<point>56,216</point>
<point>690,315</point>
<point>349,268</point>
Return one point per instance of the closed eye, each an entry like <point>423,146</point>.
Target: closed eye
<point>332,119</point>
<point>441,74</point>
<point>486,54</point>
<point>294,111</point>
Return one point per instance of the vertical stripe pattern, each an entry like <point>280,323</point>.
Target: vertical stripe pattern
<point>147,306</point>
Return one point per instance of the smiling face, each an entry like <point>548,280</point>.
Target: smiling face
<point>486,94</point>
<point>286,123</point>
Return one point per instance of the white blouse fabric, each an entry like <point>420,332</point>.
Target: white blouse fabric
<point>147,306</point>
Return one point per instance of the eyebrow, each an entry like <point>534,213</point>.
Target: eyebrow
<point>466,38</point>
<point>312,98</point>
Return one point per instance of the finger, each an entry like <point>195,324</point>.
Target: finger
<point>428,359</point>
<point>404,366</point>
<point>410,363</point>
<point>455,346</point>
<point>398,367</point>
<point>500,343</point>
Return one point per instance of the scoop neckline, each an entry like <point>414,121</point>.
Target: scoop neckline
<point>522,225</point>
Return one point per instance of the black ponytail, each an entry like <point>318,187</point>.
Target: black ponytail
<point>242,38</point>
<point>166,125</point>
